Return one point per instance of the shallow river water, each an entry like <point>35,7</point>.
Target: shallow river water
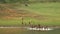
<point>56,31</point>
<point>22,31</point>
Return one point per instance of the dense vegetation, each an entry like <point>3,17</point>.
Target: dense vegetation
<point>22,1</point>
<point>12,1</point>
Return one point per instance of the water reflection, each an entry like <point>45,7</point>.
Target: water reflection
<point>56,31</point>
<point>25,31</point>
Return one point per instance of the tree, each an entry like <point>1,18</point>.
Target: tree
<point>15,1</point>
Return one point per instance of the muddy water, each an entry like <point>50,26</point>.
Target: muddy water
<point>24,31</point>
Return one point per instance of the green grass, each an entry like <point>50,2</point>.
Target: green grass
<point>49,11</point>
<point>46,8</point>
<point>11,22</point>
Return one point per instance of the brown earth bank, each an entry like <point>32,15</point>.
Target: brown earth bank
<point>8,13</point>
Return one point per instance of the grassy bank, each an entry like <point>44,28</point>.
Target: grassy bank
<point>47,14</point>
